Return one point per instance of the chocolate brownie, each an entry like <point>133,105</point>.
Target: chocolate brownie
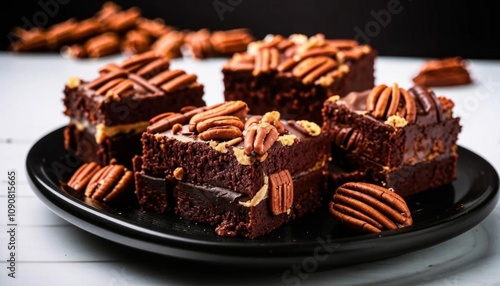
<point>397,138</point>
<point>245,176</point>
<point>295,75</point>
<point>109,113</point>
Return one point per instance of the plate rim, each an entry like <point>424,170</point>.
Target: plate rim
<point>269,254</point>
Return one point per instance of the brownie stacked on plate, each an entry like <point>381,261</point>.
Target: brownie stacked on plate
<point>109,113</point>
<point>245,176</point>
<point>405,140</point>
<point>296,75</point>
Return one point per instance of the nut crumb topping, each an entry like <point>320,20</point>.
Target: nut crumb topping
<point>287,139</point>
<point>396,121</point>
<point>312,128</point>
<point>334,98</point>
<point>73,82</point>
<point>179,173</point>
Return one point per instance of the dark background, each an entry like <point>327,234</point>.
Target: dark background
<point>425,28</point>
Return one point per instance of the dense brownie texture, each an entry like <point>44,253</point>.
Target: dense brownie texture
<point>109,113</point>
<point>408,151</point>
<point>226,185</point>
<point>295,76</point>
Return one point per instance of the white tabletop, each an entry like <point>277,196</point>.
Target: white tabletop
<point>50,250</point>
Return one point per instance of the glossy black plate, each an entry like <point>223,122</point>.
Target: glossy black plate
<point>438,214</point>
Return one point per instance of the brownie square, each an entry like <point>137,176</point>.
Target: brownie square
<point>295,76</point>
<point>109,113</point>
<point>402,139</point>
<point>246,183</point>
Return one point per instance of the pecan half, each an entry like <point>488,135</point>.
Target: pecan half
<point>347,138</point>
<point>169,44</point>
<point>369,208</point>
<point>230,41</point>
<point>224,120</point>
<point>443,72</point>
<point>226,132</point>
<point>310,69</point>
<point>260,139</point>
<point>383,102</point>
<point>109,183</point>
<point>266,60</point>
<point>82,176</point>
<point>235,108</point>
<point>281,194</point>
<point>139,60</point>
<point>167,120</point>
<point>103,45</point>
<point>155,28</point>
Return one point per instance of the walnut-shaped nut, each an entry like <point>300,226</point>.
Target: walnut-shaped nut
<point>273,118</point>
<point>383,102</point>
<point>281,192</point>
<point>369,208</point>
<point>82,176</point>
<point>110,183</point>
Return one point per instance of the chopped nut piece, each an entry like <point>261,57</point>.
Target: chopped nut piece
<point>179,173</point>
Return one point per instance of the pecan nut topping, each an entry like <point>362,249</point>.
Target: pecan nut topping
<point>311,69</point>
<point>234,108</point>
<point>109,183</point>
<point>281,194</point>
<point>103,45</point>
<point>347,138</point>
<point>259,139</point>
<point>369,208</point>
<point>383,102</point>
<point>230,41</point>
<point>82,176</point>
<point>266,60</point>
<point>226,132</point>
<point>224,120</point>
<point>135,42</point>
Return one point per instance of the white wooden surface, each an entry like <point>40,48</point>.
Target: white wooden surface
<point>54,252</point>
